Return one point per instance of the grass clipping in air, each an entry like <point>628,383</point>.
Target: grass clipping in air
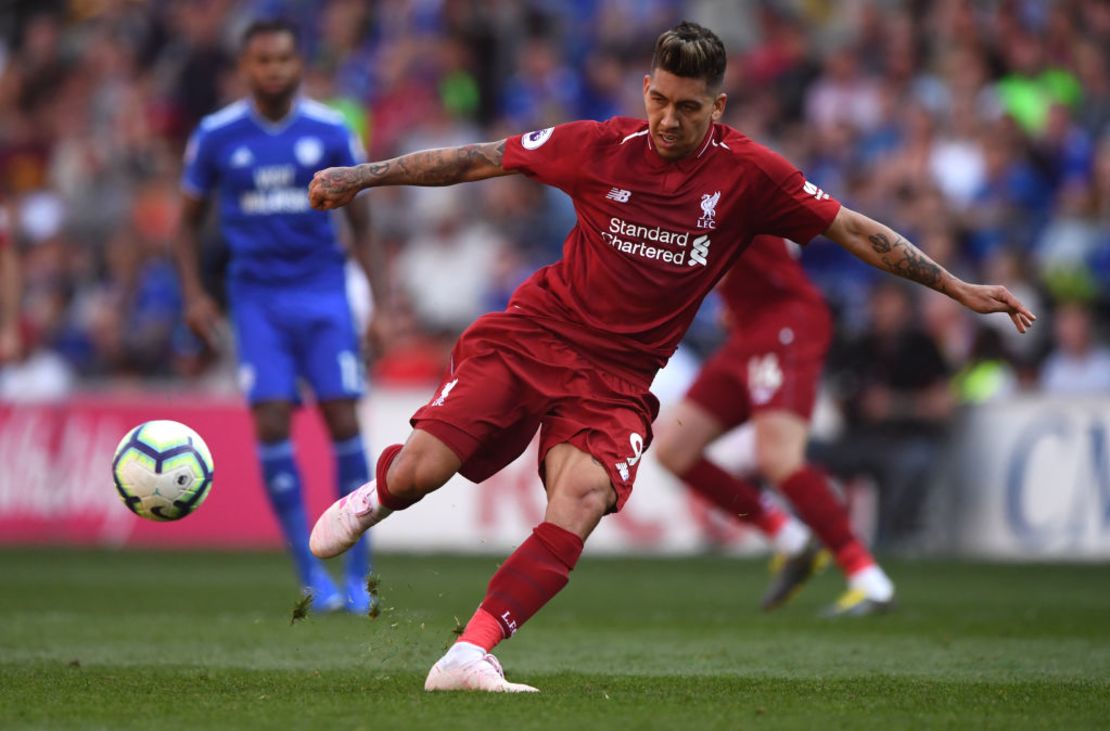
<point>301,609</point>
<point>303,606</point>
<point>373,583</point>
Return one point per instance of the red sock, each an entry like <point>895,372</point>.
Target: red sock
<point>738,497</point>
<point>529,578</point>
<point>808,489</point>
<point>387,498</point>
<point>482,630</point>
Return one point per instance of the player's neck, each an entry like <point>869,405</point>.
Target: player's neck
<point>273,110</point>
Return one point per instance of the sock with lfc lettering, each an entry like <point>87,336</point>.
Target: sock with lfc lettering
<point>535,572</point>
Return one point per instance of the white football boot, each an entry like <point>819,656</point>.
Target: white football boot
<point>342,524</point>
<point>469,667</point>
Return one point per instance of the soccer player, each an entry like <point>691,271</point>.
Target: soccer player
<point>664,209</point>
<point>768,372</point>
<point>286,281</point>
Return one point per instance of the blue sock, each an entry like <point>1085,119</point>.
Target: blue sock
<point>283,487</point>
<point>352,471</point>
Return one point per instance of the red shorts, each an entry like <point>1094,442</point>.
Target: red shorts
<point>510,376</point>
<point>772,369</point>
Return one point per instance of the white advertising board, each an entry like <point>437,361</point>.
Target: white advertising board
<point>1030,479</point>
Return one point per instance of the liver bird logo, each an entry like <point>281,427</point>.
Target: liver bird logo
<point>709,210</point>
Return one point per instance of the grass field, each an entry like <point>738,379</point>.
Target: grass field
<point>199,640</point>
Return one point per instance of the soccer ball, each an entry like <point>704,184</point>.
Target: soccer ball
<point>163,470</point>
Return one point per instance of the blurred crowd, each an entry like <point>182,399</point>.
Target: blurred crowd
<point>980,130</point>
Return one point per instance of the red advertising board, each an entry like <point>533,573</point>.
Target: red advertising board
<point>56,483</point>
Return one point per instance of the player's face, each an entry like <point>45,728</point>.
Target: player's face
<point>271,65</point>
<point>679,111</point>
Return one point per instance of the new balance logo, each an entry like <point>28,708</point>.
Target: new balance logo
<point>699,250</point>
<point>814,191</point>
<point>620,195</point>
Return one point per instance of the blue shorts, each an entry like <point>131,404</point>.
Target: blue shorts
<point>285,334</point>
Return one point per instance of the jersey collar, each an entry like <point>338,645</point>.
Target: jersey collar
<point>687,162</point>
<point>280,125</point>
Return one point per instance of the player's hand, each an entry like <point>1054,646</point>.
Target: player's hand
<point>203,318</point>
<point>333,188</point>
<point>984,298</point>
<point>377,335</point>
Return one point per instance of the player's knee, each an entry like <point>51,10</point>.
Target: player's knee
<point>271,423</point>
<point>342,420</point>
<point>671,454</point>
<point>778,459</point>
<point>585,503</point>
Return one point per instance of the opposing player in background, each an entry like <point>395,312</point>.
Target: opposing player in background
<point>286,281</point>
<point>664,209</point>
<point>768,372</point>
<point>11,291</point>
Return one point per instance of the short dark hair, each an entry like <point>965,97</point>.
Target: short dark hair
<point>269,25</point>
<point>692,51</point>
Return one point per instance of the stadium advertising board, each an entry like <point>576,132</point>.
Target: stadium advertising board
<point>1027,479</point>
<point>1031,479</point>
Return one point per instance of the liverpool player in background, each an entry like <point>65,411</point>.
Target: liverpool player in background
<point>768,372</point>
<point>664,209</point>
<point>286,282</point>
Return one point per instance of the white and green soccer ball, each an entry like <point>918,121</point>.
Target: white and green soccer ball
<point>163,470</point>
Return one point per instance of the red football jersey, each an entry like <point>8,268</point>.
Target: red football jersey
<point>768,288</point>
<point>653,236</point>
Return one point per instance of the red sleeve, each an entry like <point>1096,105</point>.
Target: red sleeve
<point>552,156</point>
<point>792,207</point>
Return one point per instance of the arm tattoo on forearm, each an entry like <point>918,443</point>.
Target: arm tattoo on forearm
<point>906,260</point>
<point>340,181</point>
<point>443,166</point>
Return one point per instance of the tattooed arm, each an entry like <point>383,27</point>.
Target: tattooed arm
<point>335,187</point>
<point>882,248</point>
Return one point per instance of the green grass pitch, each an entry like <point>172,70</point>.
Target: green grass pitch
<point>153,640</point>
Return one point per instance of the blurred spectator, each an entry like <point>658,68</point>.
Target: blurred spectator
<point>1015,199</point>
<point>1078,363</point>
<point>1094,76</point>
<point>892,383</point>
<point>1034,84</point>
<point>989,374</point>
<point>11,292</point>
<point>843,94</point>
<point>447,268</point>
<point>544,91</point>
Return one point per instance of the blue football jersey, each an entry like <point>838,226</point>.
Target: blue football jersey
<point>260,171</point>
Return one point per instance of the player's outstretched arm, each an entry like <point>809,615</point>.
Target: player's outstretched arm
<point>882,248</point>
<point>335,187</point>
